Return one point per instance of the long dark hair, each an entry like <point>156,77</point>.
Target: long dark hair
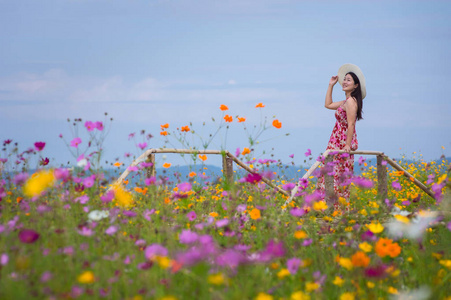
<point>357,94</point>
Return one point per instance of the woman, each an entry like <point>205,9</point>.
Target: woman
<point>344,135</point>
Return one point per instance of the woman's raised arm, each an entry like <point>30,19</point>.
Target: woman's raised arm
<point>329,103</point>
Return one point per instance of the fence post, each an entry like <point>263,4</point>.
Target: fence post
<point>227,168</point>
<point>381,178</point>
<point>329,182</point>
<point>151,171</point>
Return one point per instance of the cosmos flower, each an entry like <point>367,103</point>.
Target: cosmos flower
<point>39,146</point>
<point>75,142</point>
<point>28,236</point>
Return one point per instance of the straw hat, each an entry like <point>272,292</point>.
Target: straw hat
<point>345,69</point>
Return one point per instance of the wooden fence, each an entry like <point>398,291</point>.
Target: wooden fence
<point>228,159</point>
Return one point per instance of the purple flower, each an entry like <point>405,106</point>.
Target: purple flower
<point>275,249</point>
<point>46,276</point>
<point>449,226</point>
<point>297,212</point>
<point>75,142</point>
<point>362,182</point>
<point>241,207</point>
<point>28,236</point>
<point>145,265</point>
<point>293,265</point>
<point>184,187</point>
<point>147,213</point>
<point>307,242</point>
<point>396,185</point>
<point>20,178</point>
<point>237,152</point>
<point>39,146</point>
<point>188,237</point>
<point>230,258</point>
<point>288,186</point>
<point>155,250</point>
<point>308,153</point>
<point>108,197</point>
<point>191,215</point>
<point>222,223</point>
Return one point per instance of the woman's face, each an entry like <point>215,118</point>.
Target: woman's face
<point>348,84</point>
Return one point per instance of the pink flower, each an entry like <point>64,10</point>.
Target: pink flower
<point>111,230</point>
<point>188,237</point>
<point>28,236</point>
<point>99,126</point>
<point>75,142</point>
<point>46,276</point>
<point>44,161</point>
<point>253,178</point>
<point>39,146</point>
<point>142,145</point>
<point>191,215</point>
<point>155,250</point>
<point>108,197</point>
<point>90,125</point>
<point>184,187</point>
<point>291,156</point>
<point>151,180</point>
<point>396,185</point>
<point>308,153</point>
<point>237,152</point>
<point>4,258</point>
<point>293,265</point>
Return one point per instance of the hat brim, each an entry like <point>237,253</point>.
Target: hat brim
<point>345,69</point>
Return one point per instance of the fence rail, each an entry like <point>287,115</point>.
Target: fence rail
<point>228,159</point>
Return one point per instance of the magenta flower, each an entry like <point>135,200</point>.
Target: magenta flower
<point>376,272</point>
<point>142,145</point>
<point>99,126</point>
<point>20,178</point>
<point>89,181</point>
<point>253,178</point>
<point>289,186</point>
<point>108,197</point>
<point>133,169</point>
<point>291,155</point>
<point>449,226</point>
<point>39,146</point>
<point>362,182</point>
<point>44,161</point>
<point>46,276</point>
<point>191,215</point>
<point>75,142</point>
<point>90,125</point>
<point>151,180</point>
<point>222,223</point>
<point>188,237</point>
<point>293,265</point>
<point>307,242</point>
<point>237,152</point>
<point>297,212</point>
<point>28,236</point>
<point>361,160</point>
<point>86,231</point>
<point>308,153</point>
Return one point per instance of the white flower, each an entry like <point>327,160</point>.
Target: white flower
<point>414,228</point>
<point>97,215</point>
<point>422,293</point>
<point>82,163</point>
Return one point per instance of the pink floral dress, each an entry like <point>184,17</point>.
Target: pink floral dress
<point>343,163</point>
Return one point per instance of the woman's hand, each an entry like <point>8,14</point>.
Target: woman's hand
<point>333,80</point>
<point>347,148</point>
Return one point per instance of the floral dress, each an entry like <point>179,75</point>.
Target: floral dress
<point>343,164</point>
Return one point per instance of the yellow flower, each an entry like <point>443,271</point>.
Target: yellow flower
<point>345,263</point>
<point>300,234</point>
<point>375,227</point>
<point>122,196</point>
<point>163,261</point>
<point>365,247</point>
<point>39,182</point>
<point>86,277</point>
<point>216,279</point>
<point>168,298</point>
<point>338,281</point>
<point>283,273</point>
<point>299,296</point>
<point>347,296</point>
<point>392,290</point>
<point>263,296</point>
<point>320,205</point>
<point>446,263</point>
<point>402,219</point>
<point>214,214</point>
<point>370,284</point>
<point>311,286</point>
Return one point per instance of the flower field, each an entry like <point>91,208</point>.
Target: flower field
<point>66,233</point>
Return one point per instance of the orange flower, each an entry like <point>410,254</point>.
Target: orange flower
<point>203,157</point>
<point>140,190</point>
<point>228,118</point>
<point>245,151</point>
<point>117,164</point>
<point>259,105</point>
<point>165,133</point>
<point>185,128</point>
<point>277,124</point>
<point>255,214</point>
<point>241,119</point>
<point>386,247</point>
<point>223,107</point>
<point>166,165</point>
<point>360,259</point>
<point>164,126</point>
<point>192,174</point>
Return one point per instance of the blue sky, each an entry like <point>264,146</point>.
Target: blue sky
<point>148,63</point>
